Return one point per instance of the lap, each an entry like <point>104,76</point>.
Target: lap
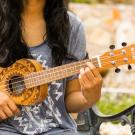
<point>78,133</point>
<point>9,130</point>
<point>8,133</point>
<point>68,133</point>
<point>4,132</point>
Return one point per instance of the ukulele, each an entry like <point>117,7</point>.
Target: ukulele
<point>26,81</point>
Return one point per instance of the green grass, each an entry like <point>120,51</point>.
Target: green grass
<point>80,1</point>
<point>113,104</point>
<point>100,1</point>
<point>85,1</point>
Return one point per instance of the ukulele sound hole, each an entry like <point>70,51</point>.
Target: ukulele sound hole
<point>16,85</point>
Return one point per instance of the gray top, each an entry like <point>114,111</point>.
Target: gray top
<point>51,116</point>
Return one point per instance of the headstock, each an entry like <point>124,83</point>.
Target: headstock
<point>115,58</point>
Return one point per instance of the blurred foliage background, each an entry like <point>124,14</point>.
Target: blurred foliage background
<point>103,1</point>
<point>110,103</point>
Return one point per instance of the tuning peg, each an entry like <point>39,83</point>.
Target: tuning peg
<point>117,70</point>
<point>112,47</point>
<point>129,67</point>
<point>124,44</point>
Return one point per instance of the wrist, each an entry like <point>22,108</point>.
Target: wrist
<point>87,103</point>
<point>90,98</point>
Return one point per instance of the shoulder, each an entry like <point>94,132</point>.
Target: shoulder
<point>77,42</point>
<point>75,21</point>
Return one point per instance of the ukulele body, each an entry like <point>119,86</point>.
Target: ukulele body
<point>13,83</point>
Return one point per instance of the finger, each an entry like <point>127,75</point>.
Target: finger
<point>89,74</point>
<point>83,76</point>
<point>94,70</point>
<point>82,71</point>
<point>2,115</point>
<point>88,77</point>
<point>7,111</point>
<point>13,107</point>
<point>81,82</point>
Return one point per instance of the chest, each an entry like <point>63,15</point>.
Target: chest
<point>43,54</point>
<point>34,32</point>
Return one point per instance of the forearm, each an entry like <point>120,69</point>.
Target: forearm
<point>76,102</point>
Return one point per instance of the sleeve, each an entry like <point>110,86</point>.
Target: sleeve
<point>77,46</point>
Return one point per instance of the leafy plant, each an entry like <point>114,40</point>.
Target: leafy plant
<point>103,1</point>
<point>81,1</point>
<point>111,104</point>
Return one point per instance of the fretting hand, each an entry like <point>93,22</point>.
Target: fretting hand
<point>91,83</point>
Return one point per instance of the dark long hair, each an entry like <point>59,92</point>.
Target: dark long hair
<point>12,44</point>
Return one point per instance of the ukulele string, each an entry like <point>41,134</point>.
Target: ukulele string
<point>94,62</point>
<point>39,76</point>
<point>14,79</point>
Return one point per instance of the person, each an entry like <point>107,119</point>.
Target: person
<point>44,30</point>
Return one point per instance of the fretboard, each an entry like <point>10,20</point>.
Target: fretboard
<point>57,73</point>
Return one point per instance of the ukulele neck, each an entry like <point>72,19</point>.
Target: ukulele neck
<point>58,73</point>
<point>113,59</point>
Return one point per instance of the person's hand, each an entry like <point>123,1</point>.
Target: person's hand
<point>91,83</point>
<point>7,106</point>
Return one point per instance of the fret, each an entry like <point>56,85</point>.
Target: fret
<point>70,70</point>
<point>62,74</point>
<point>39,76</point>
<point>28,82</point>
<point>58,77</point>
